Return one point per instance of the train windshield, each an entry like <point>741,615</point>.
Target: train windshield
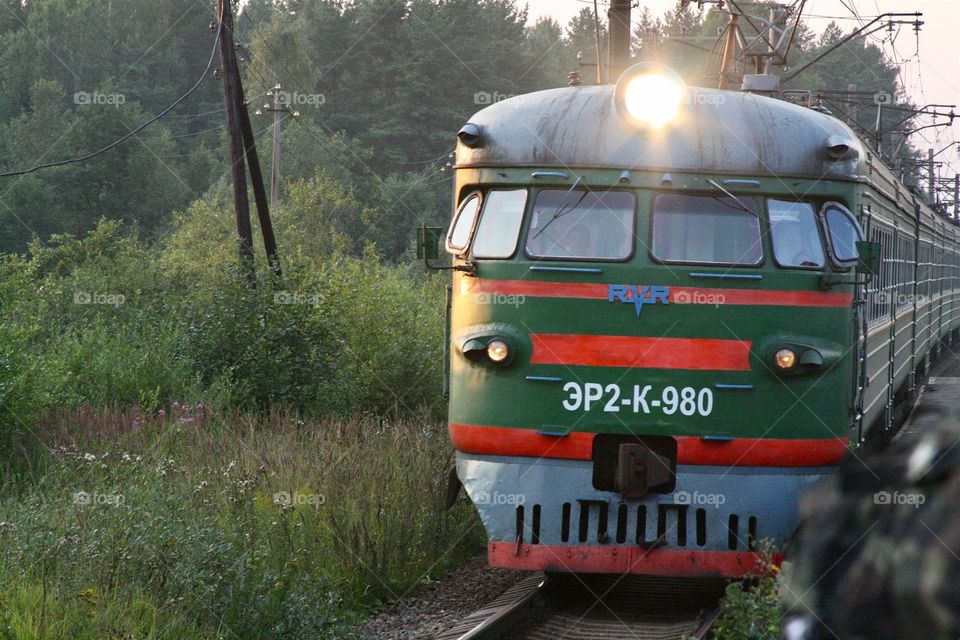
<point>706,230</point>
<point>577,224</point>
<point>796,238</point>
<point>499,227</point>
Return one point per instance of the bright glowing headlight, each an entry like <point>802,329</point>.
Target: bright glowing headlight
<point>650,94</point>
<point>498,351</point>
<point>785,359</point>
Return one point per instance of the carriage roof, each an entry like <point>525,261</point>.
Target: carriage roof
<point>718,132</point>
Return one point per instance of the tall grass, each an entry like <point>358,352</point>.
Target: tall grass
<point>174,457</point>
<point>197,524</point>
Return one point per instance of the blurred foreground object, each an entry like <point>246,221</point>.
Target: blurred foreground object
<point>878,554</point>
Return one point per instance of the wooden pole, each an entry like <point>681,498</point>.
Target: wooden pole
<point>231,102</point>
<point>277,109</point>
<point>729,49</point>
<point>618,38</point>
<point>596,41</point>
<point>256,178</point>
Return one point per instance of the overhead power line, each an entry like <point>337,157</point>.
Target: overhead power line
<point>133,132</point>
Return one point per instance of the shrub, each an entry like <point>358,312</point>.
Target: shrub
<point>750,610</point>
<point>108,321</point>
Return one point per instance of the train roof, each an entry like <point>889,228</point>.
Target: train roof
<point>717,132</point>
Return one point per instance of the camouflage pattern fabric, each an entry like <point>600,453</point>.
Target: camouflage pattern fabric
<point>878,554</point>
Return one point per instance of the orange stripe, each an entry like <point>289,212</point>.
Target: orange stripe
<point>641,352</point>
<point>626,559</point>
<point>678,295</point>
<point>739,452</point>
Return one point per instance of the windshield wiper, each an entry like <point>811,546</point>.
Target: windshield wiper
<point>560,212</point>
<point>737,200</point>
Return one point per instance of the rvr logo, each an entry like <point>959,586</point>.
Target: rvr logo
<point>638,295</point>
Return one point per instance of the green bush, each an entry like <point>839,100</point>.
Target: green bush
<point>109,321</point>
<point>750,609</point>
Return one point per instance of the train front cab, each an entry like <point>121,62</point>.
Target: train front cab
<point>643,377</point>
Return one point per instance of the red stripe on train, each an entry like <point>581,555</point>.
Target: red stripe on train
<point>739,452</point>
<point>641,352</point>
<point>625,559</point>
<point>678,295</point>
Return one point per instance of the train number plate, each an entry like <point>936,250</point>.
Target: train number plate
<point>638,399</point>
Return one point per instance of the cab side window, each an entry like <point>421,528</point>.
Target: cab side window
<point>796,237</point>
<point>459,236</point>
<point>843,233</point>
<point>499,227</point>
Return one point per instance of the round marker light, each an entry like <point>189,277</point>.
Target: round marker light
<point>785,359</point>
<point>650,94</point>
<point>498,351</point>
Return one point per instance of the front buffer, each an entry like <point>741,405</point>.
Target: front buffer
<point>545,514</point>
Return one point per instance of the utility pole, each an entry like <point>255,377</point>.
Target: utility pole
<point>729,46</point>
<point>280,106</point>
<point>771,47</point>
<point>243,147</point>
<point>259,193</point>
<point>618,38</point>
<point>931,178</point>
<point>851,90</point>
<point>956,197</point>
<point>231,101</point>
<point>878,132</point>
<point>596,41</point>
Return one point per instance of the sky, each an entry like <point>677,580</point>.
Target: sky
<point>929,65</point>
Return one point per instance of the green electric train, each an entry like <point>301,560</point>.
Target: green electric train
<point>672,308</point>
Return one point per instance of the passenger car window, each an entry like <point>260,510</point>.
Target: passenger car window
<point>499,226</point>
<point>843,233</point>
<point>581,225</point>
<point>795,234</point>
<point>706,230</point>
<point>462,225</point>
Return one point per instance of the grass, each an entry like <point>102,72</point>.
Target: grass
<point>201,524</point>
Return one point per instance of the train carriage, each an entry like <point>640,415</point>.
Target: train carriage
<point>658,334</point>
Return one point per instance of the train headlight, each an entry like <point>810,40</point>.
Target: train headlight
<point>498,351</point>
<point>650,94</point>
<point>785,359</point>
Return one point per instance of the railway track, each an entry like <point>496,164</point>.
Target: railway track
<point>584,607</point>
